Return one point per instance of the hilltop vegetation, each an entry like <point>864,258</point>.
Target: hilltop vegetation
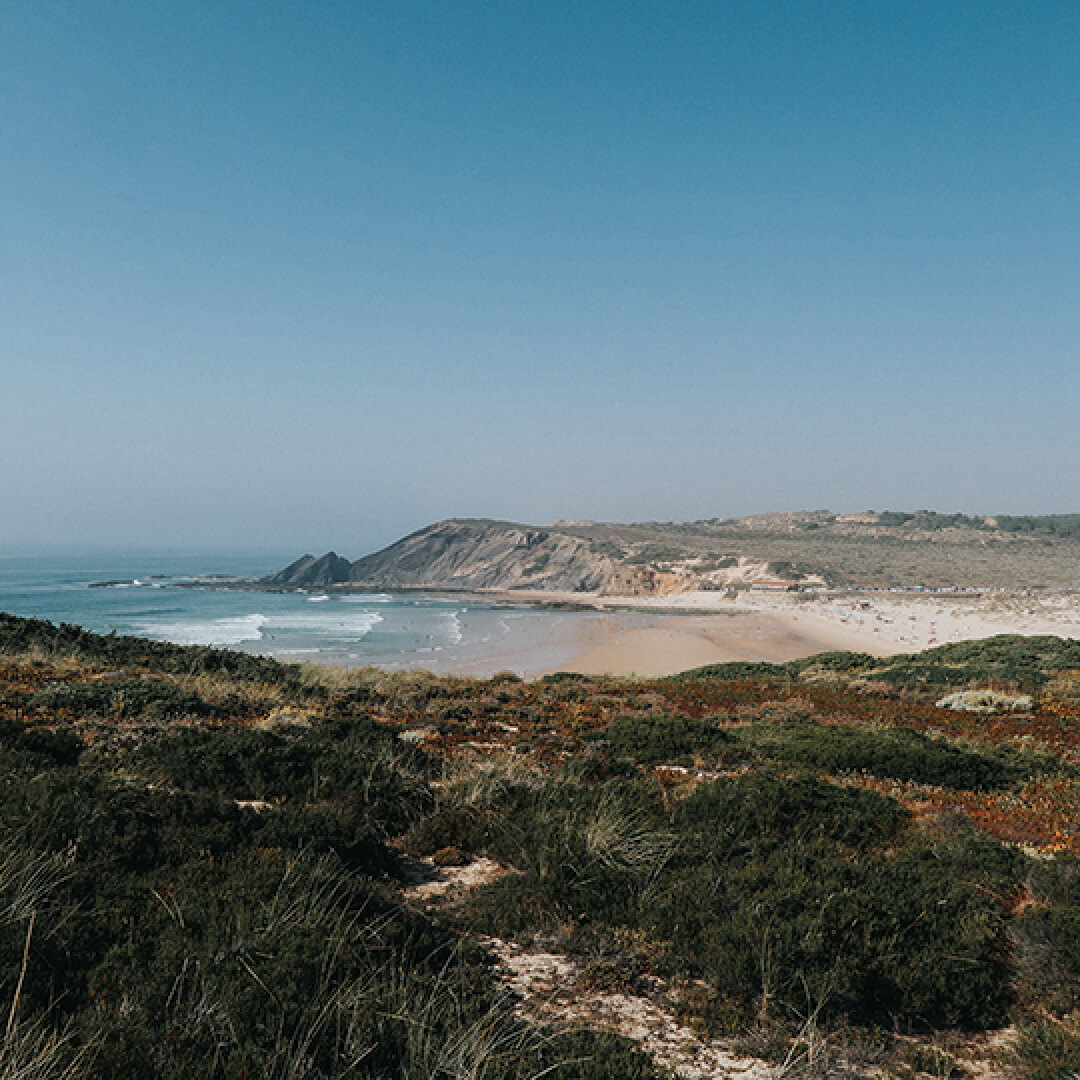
<point>1067,525</point>
<point>203,859</point>
<point>875,549</point>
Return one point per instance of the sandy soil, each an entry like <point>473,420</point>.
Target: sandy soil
<point>888,623</point>
<point>546,987</point>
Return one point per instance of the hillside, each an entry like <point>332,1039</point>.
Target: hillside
<point>467,555</point>
<point>873,549</point>
<point>217,865</point>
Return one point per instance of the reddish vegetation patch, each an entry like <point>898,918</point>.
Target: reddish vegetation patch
<point>551,719</point>
<point>547,721</point>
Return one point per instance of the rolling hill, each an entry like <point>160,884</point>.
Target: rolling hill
<point>871,549</point>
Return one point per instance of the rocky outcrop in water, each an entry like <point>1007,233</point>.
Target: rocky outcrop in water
<point>311,572</point>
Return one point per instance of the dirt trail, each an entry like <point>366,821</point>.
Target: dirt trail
<point>548,987</point>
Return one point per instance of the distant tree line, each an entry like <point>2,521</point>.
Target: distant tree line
<point>1063,525</point>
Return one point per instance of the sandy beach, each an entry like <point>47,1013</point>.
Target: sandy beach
<point>652,636</point>
<point>666,644</point>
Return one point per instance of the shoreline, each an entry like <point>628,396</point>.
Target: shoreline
<point>656,636</point>
<point>652,636</point>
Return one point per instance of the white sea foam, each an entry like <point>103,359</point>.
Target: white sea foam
<point>235,630</point>
<point>227,631</point>
<point>317,599</point>
<point>337,625</point>
<point>456,628</point>
<point>369,598</point>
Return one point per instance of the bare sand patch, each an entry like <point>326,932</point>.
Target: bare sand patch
<point>424,881</point>
<point>546,985</point>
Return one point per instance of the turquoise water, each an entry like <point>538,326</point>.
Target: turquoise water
<point>438,633</point>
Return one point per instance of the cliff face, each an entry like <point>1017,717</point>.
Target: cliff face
<point>486,555</point>
<point>471,554</point>
<point>463,555</point>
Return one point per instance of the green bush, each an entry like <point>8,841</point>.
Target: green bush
<point>188,936</point>
<point>355,761</point>
<point>31,749</point>
<point>127,700</point>
<point>772,891</point>
<point>735,670</point>
<point>1008,658</point>
<point>668,738</point>
<point>449,827</point>
<point>898,753</point>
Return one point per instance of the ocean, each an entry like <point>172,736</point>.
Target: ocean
<point>156,596</point>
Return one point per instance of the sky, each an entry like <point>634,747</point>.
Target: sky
<point>312,275</point>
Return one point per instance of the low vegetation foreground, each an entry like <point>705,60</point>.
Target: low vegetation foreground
<point>209,866</point>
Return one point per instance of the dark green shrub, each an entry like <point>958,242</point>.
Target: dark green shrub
<point>131,698</point>
<point>355,762</point>
<point>924,674</point>
<point>31,748</point>
<point>835,661</point>
<point>791,875</point>
<point>898,753</point>
<point>669,738</point>
<point>735,670</point>
<point>770,890</point>
<point>450,826</point>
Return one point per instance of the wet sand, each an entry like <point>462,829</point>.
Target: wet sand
<point>635,643</point>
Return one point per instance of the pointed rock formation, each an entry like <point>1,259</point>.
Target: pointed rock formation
<point>308,571</point>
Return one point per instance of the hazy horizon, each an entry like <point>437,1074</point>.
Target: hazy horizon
<point>122,556</point>
<point>283,277</point>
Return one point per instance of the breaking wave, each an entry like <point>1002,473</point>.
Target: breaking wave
<point>336,625</point>
<point>457,630</point>
<point>233,630</point>
<point>239,629</point>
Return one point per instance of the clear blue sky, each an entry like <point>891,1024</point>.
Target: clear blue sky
<point>310,275</point>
